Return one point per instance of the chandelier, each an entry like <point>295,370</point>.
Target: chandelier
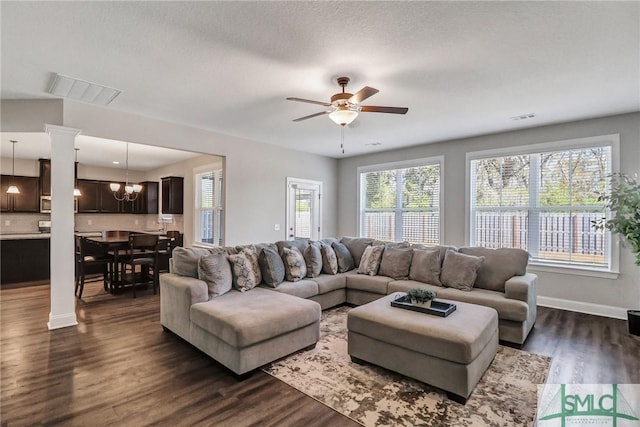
<point>131,191</point>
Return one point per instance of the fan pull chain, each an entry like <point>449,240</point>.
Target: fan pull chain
<point>342,139</point>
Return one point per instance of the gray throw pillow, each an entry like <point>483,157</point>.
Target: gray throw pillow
<point>215,271</point>
<point>425,266</point>
<point>396,263</point>
<point>246,270</point>
<point>356,246</point>
<point>499,266</point>
<point>294,266</point>
<point>313,258</point>
<point>271,267</point>
<point>459,271</point>
<point>299,243</point>
<point>185,261</point>
<point>370,261</point>
<point>345,260</point>
<point>329,260</point>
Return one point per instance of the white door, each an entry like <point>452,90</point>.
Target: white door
<point>304,204</point>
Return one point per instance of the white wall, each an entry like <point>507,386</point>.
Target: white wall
<point>623,292</point>
<point>255,173</point>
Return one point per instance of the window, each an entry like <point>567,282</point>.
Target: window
<point>208,209</point>
<point>401,202</point>
<point>544,199</point>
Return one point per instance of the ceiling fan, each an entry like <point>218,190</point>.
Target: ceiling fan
<point>344,107</point>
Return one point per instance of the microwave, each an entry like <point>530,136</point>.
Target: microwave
<point>45,204</point>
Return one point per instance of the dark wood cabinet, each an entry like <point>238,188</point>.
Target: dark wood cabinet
<point>172,195</point>
<point>147,201</point>
<point>45,177</point>
<point>108,203</point>
<point>24,260</point>
<point>29,198</point>
<point>89,202</point>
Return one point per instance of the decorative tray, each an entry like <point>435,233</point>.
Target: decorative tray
<point>438,308</point>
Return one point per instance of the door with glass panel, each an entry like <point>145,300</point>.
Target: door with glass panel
<point>304,199</point>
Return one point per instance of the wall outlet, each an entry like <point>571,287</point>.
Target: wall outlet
<point>89,222</point>
<point>136,222</point>
<point>7,222</point>
<point>276,227</point>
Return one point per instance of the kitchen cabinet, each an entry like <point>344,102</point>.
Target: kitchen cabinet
<point>147,201</point>
<point>29,198</point>
<point>172,195</point>
<point>89,202</point>
<point>24,260</point>
<point>108,203</point>
<point>45,177</point>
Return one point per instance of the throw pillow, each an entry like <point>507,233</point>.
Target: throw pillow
<point>356,246</point>
<point>313,258</point>
<point>299,243</point>
<point>499,266</point>
<point>245,274</point>
<point>294,267</point>
<point>370,261</point>
<point>425,266</point>
<point>329,260</point>
<point>345,260</point>
<point>185,261</point>
<point>215,271</point>
<point>459,271</point>
<point>396,263</point>
<point>271,267</point>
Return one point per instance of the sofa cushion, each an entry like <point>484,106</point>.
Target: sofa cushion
<point>405,285</point>
<point>372,284</point>
<point>370,262</point>
<point>345,260</point>
<point>185,261</point>
<point>508,309</point>
<point>499,266</point>
<point>271,267</point>
<point>294,266</point>
<point>215,271</point>
<point>356,246</point>
<point>246,270</point>
<point>298,243</point>
<point>243,319</point>
<point>329,260</point>
<point>459,270</point>
<point>313,259</point>
<point>328,282</point>
<point>305,288</point>
<point>396,263</point>
<point>425,266</point>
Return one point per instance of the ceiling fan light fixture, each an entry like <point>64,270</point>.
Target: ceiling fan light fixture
<point>343,116</point>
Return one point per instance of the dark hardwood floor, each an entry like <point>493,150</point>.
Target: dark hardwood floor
<point>118,367</point>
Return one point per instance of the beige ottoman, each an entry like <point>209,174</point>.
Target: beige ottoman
<point>451,353</point>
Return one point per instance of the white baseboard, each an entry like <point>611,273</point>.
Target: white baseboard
<point>62,320</point>
<point>584,307</point>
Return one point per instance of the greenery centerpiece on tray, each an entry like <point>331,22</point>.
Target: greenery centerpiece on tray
<point>624,202</point>
<point>419,296</point>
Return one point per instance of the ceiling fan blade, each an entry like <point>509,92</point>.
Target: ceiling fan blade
<point>326,104</point>
<point>394,110</point>
<point>363,94</point>
<point>311,116</point>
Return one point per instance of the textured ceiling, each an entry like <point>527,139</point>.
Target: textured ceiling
<point>462,68</point>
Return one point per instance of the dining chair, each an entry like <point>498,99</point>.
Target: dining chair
<point>89,255</point>
<point>166,247</point>
<point>142,252</point>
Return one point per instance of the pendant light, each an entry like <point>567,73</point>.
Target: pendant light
<point>76,190</point>
<point>131,191</point>
<point>13,189</point>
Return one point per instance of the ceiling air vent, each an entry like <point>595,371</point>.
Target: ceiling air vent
<point>82,90</point>
<point>523,117</point>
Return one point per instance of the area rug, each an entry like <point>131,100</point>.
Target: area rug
<point>373,396</point>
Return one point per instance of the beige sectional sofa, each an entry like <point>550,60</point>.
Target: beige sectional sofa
<point>245,330</point>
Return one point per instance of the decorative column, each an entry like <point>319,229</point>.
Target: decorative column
<point>63,301</point>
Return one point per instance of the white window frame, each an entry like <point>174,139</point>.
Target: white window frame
<point>611,140</point>
<point>402,164</point>
<point>196,205</point>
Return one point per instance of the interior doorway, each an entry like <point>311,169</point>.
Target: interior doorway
<point>304,207</point>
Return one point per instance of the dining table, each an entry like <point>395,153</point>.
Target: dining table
<point>115,244</point>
